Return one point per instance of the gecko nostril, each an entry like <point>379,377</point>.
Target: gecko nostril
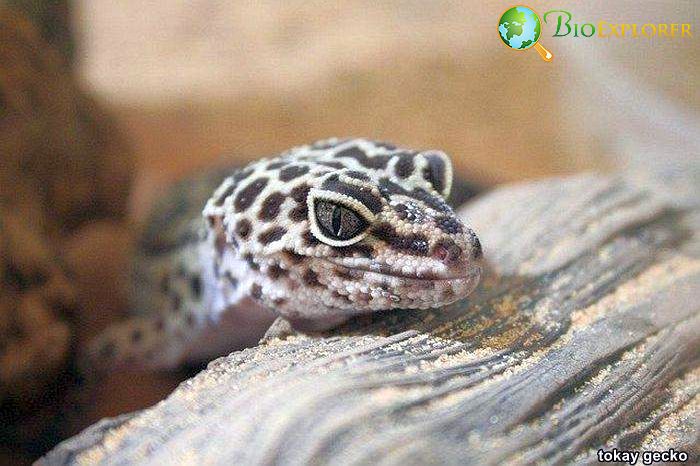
<point>440,252</point>
<point>446,251</point>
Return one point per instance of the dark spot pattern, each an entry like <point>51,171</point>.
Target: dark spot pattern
<point>309,239</point>
<point>410,212</point>
<point>136,335</point>
<point>276,165</point>
<point>241,175</point>
<point>243,228</point>
<point>293,171</point>
<point>279,301</point>
<point>354,250</point>
<point>401,211</point>
<point>299,213</point>
<point>332,164</point>
<point>256,291</point>
<point>300,192</point>
<point>271,235</point>
<point>404,165</point>
<point>237,177</point>
<point>196,286</point>
<point>270,207</point>
<point>246,196</point>
<point>449,224</point>
<point>293,257</point>
<point>387,188</point>
<point>310,278</point>
<point>385,145</point>
<point>436,202</point>
<point>357,175</point>
<point>377,162</point>
<point>250,260</point>
<point>227,192</point>
<point>415,244</point>
<point>436,171</point>
<point>175,302</point>
<point>233,281</point>
<point>274,271</point>
<point>361,193</point>
<point>477,251</point>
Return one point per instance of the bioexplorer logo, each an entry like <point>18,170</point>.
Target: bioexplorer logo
<point>520,28</point>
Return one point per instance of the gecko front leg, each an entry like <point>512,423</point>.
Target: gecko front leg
<point>200,315</point>
<point>282,327</point>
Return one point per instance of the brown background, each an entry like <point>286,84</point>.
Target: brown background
<point>193,81</point>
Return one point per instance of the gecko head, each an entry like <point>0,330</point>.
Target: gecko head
<point>363,226</point>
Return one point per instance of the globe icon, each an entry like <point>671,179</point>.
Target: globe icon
<point>520,28</point>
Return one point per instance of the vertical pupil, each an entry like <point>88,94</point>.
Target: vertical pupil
<point>336,219</point>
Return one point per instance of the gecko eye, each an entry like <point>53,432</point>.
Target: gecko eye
<point>337,219</point>
<point>338,222</point>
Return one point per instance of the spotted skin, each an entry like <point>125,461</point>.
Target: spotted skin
<point>316,235</point>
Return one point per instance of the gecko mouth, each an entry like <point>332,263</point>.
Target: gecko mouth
<point>412,291</point>
<point>471,272</point>
<point>366,286</point>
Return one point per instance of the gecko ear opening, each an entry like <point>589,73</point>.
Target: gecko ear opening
<point>336,219</point>
<point>438,171</point>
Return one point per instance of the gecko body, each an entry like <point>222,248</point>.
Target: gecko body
<point>316,235</point>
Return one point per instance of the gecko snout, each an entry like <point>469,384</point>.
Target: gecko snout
<point>455,255</point>
<point>447,251</point>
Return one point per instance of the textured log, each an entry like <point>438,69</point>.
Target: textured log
<point>584,335</point>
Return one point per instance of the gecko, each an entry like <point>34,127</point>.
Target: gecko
<point>312,237</point>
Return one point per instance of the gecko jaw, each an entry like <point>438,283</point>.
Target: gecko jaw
<point>389,289</point>
<point>468,272</point>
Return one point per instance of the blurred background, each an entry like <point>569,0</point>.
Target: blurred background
<point>192,80</point>
<point>103,104</point>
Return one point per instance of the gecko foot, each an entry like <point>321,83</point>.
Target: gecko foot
<point>281,328</point>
